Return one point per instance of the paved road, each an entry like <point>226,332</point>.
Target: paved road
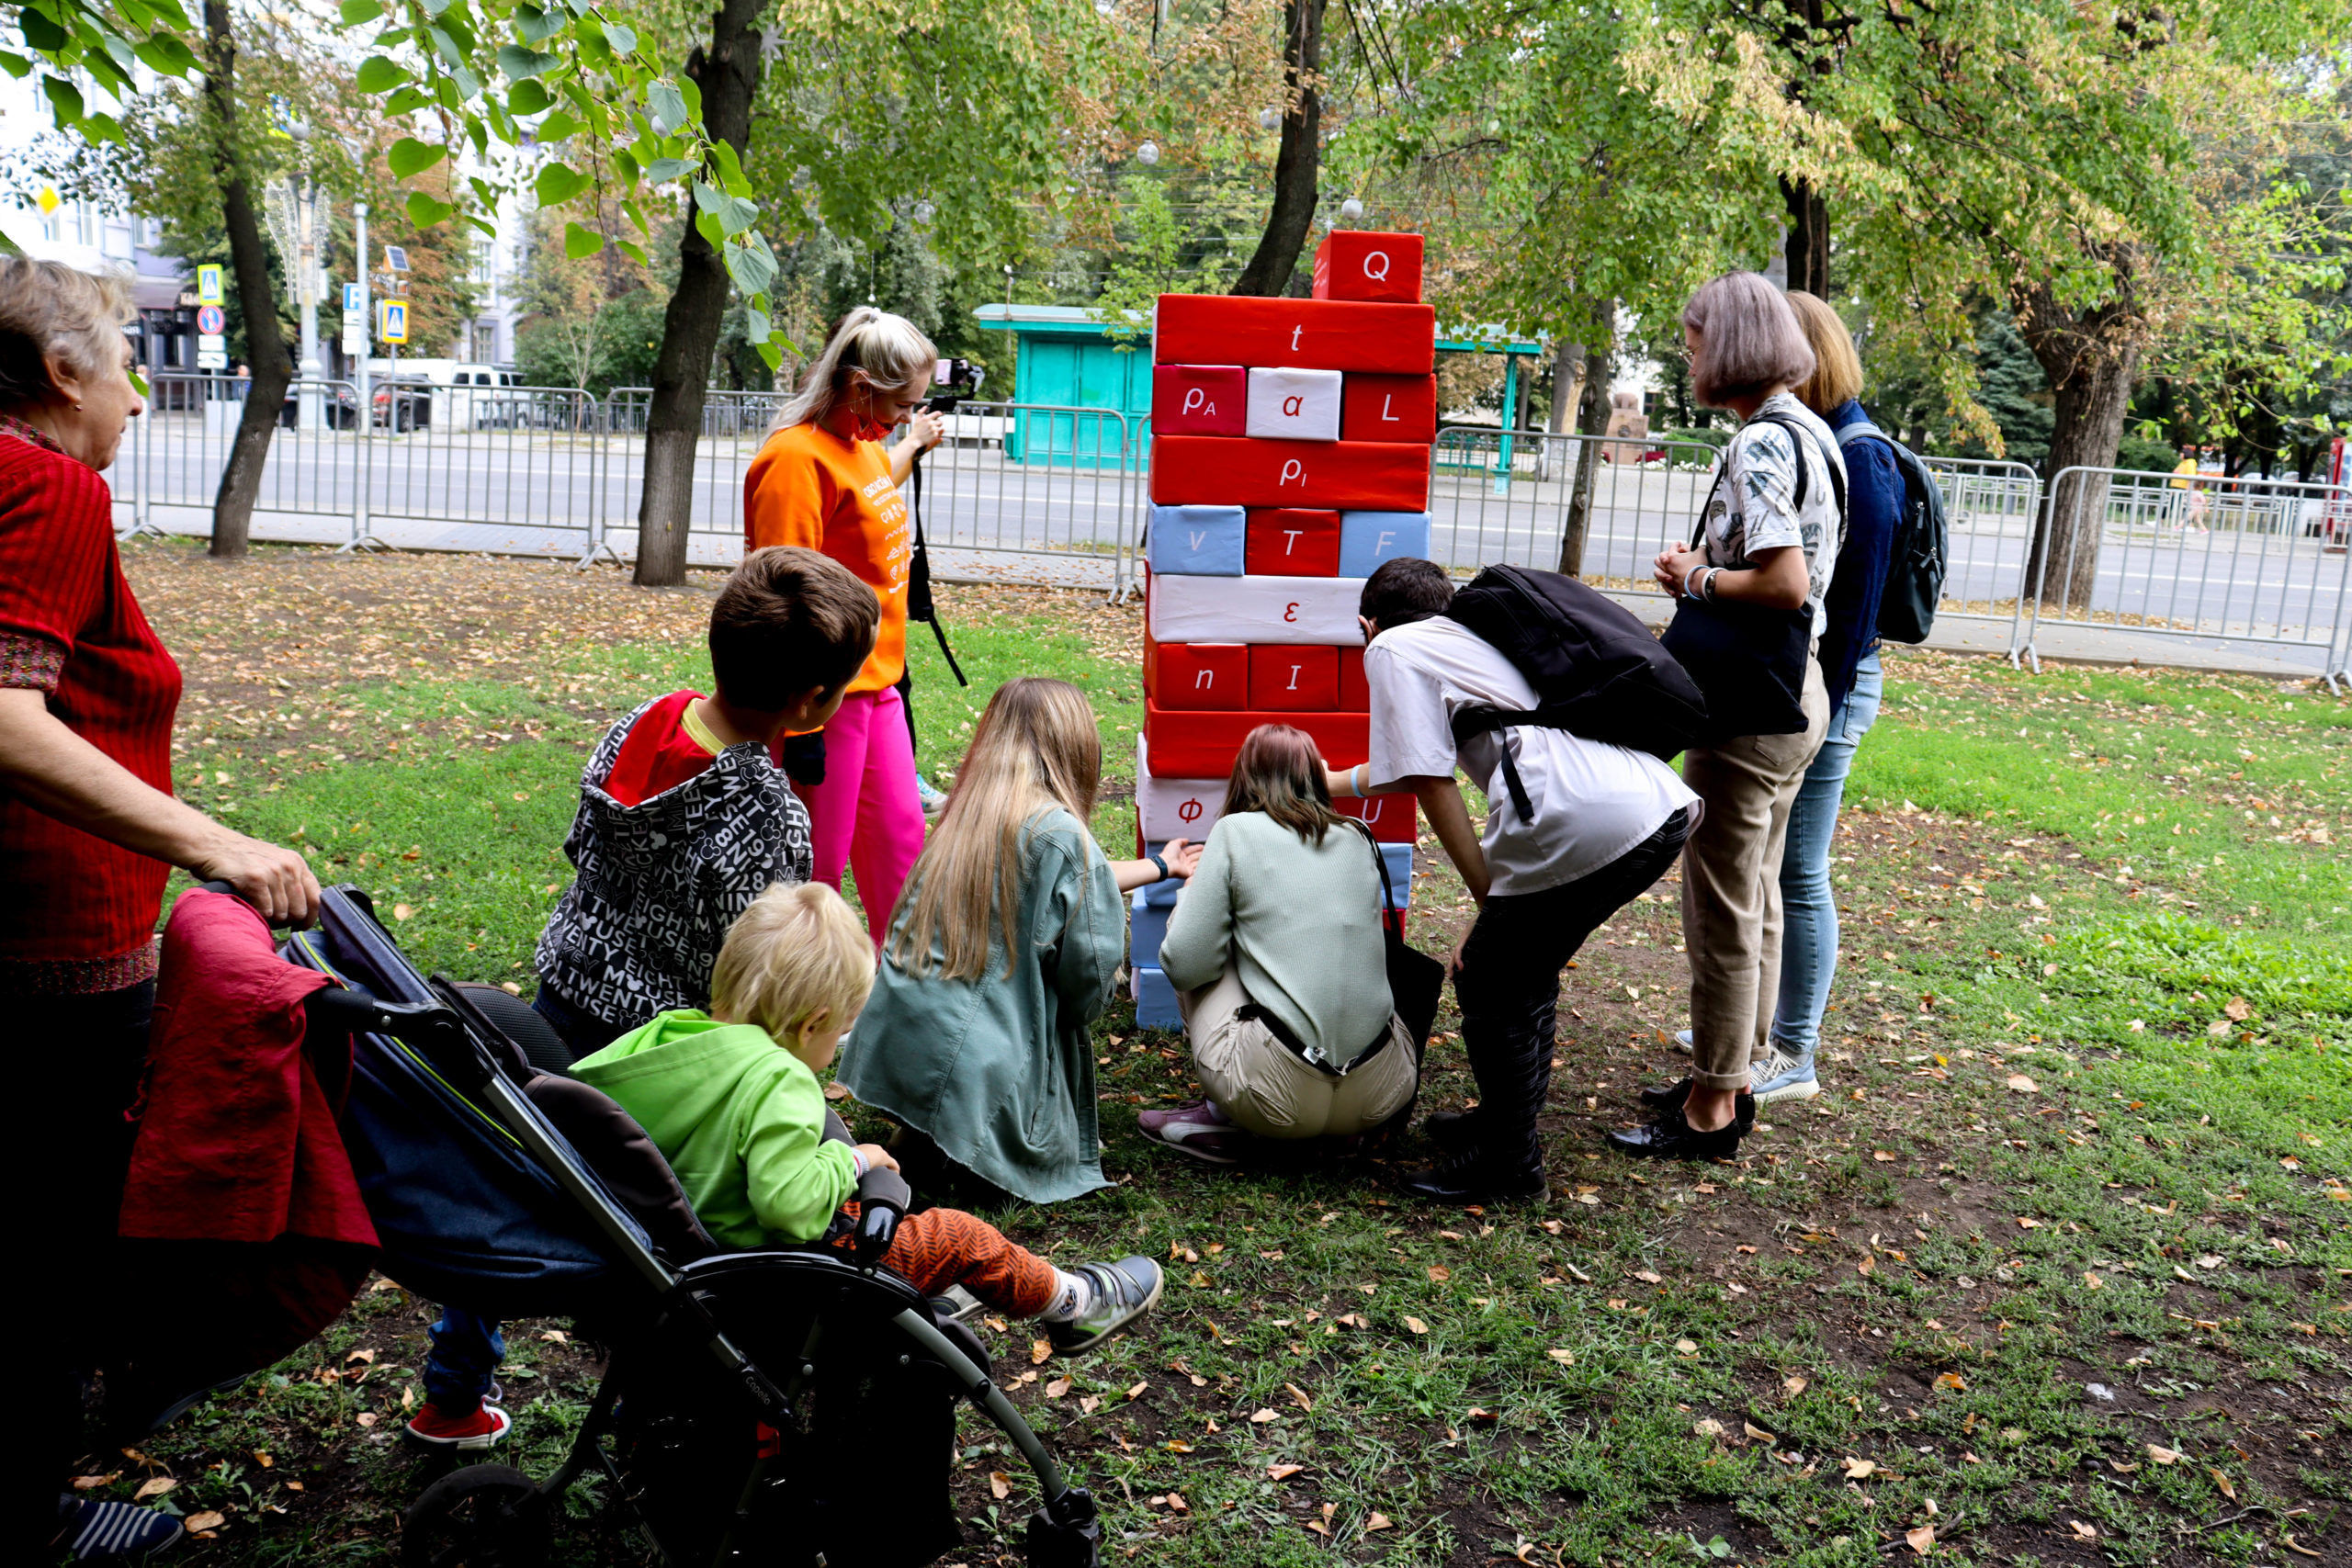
<point>534,492</point>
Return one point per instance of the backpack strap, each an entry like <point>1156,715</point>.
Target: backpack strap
<point>1856,432</point>
<point>1478,720</point>
<point>1837,480</point>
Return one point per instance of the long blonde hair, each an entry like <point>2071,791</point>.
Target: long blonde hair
<point>1037,747</point>
<point>1837,375</point>
<point>890,349</point>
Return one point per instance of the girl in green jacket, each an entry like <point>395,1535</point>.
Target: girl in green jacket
<point>1003,950</point>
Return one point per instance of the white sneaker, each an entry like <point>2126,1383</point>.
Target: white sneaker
<point>1683,1040</point>
<point>1783,1077</point>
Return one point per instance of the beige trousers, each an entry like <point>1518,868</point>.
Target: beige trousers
<point>1731,887</point>
<point>1268,1089</point>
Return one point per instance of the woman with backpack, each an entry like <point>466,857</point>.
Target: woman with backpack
<point>1767,543</point>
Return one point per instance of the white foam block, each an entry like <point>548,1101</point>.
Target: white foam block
<point>1293,405</point>
<point>1255,609</point>
<point>1175,809</point>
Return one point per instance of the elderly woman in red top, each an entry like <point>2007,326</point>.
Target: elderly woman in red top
<point>88,835</point>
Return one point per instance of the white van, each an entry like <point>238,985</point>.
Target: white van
<point>465,395</point>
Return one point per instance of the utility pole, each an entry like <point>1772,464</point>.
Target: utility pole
<point>366,316</point>
<point>305,185</point>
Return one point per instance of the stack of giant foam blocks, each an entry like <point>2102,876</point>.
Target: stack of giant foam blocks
<point>1290,457</point>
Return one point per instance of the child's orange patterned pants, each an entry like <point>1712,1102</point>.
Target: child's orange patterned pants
<point>940,1247</point>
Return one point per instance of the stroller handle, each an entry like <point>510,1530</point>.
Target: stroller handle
<point>882,1199</point>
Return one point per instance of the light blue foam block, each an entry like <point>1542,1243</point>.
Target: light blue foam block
<point>1146,924</point>
<point>1200,541</point>
<point>1369,538</point>
<point>1159,895</point>
<point>1400,874</point>
<point>1155,1001</point>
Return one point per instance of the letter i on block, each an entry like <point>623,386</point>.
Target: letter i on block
<point>1293,678</point>
<point>1295,405</point>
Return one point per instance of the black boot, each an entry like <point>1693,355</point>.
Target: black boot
<point>1674,1095</point>
<point>1470,1177</point>
<point>1451,1130</point>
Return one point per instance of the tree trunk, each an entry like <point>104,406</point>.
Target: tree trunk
<point>1294,166</point>
<point>729,76</point>
<point>2092,361</point>
<point>1592,419</point>
<point>1808,238</point>
<point>270,361</point>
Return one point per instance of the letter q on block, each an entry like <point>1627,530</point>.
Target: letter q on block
<point>1295,405</point>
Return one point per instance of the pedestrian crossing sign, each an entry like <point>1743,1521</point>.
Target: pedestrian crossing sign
<point>208,284</point>
<point>391,320</point>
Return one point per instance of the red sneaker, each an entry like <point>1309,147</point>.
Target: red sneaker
<point>434,1427</point>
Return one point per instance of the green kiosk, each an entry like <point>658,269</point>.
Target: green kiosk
<point>1065,358</point>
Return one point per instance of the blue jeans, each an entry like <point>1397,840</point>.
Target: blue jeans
<point>465,1353</point>
<point>1808,906</point>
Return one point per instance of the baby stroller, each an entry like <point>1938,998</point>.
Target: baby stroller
<point>794,1407</point>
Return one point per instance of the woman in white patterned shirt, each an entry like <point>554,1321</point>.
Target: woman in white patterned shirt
<point>1761,546</point>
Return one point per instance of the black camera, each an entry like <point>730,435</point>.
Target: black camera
<point>954,382</point>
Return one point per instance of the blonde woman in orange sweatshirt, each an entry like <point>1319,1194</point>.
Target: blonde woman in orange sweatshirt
<point>825,481</point>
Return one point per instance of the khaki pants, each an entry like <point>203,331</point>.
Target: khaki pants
<point>1269,1089</point>
<point>1731,887</point>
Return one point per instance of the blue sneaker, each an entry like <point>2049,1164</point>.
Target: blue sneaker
<point>1785,1078</point>
<point>933,799</point>
<point>98,1531</point>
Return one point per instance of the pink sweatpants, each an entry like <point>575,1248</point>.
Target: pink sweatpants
<point>866,814</point>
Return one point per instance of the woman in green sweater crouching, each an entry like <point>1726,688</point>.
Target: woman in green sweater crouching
<point>1281,967</point>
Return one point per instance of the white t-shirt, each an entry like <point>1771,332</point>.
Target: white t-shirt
<point>1593,801</point>
<point>1752,507</point>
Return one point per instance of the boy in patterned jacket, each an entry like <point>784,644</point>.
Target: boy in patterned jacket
<point>684,818</point>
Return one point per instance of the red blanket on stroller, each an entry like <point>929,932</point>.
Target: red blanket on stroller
<point>237,1139</point>
<point>241,1191</point>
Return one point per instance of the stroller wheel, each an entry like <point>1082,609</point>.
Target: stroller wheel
<point>485,1515</point>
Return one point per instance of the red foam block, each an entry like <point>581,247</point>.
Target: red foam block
<point>1390,817</point>
<point>1294,677</point>
<point>1286,541</point>
<point>1363,476</point>
<point>1307,335</point>
<point>1201,745</point>
<point>1200,400</point>
<point>1365,264</point>
<point>1197,674</point>
<point>1355,696</point>
<point>1388,408</point>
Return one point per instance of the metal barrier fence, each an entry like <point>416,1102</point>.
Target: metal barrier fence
<point>2196,558</point>
<point>1058,494</point>
<point>1506,496</point>
<point>1037,490</point>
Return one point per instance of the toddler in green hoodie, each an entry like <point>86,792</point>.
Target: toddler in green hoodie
<point>732,1101</point>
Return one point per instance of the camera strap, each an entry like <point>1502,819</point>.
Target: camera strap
<point>920,606</point>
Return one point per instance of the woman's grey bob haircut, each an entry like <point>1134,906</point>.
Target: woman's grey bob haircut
<point>1749,340</point>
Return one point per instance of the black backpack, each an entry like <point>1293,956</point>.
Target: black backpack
<point>1596,669</point>
<point>1914,567</point>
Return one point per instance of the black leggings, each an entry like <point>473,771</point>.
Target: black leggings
<point>1509,988</point>
<point>72,1150</point>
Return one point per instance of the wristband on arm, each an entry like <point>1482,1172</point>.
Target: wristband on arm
<point>1161,861</point>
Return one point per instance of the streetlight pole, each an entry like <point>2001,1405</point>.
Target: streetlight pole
<point>306,274</point>
<point>367,311</point>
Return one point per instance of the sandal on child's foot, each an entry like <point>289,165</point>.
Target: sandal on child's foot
<point>1122,1292</point>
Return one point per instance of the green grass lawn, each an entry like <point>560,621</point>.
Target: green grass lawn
<point>2056,1269</point>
